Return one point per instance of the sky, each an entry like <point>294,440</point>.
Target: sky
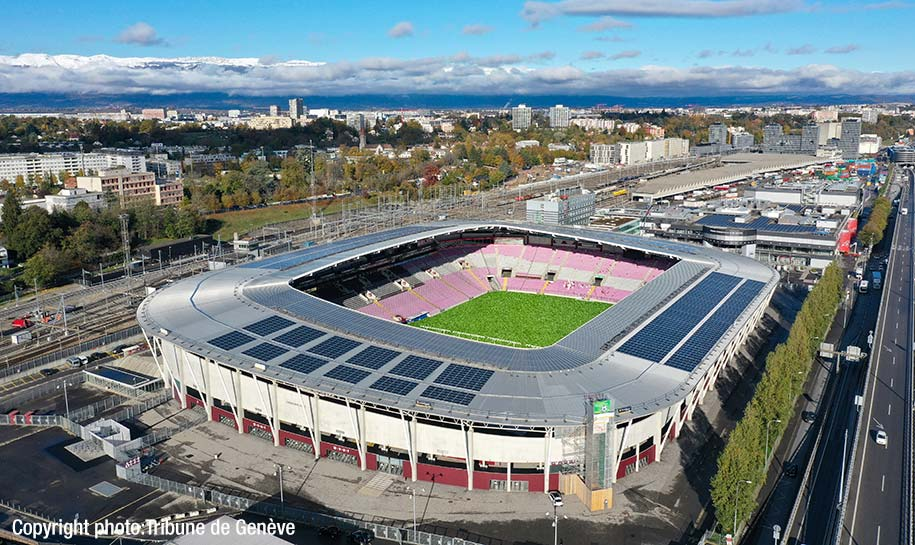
<point>345,47</point>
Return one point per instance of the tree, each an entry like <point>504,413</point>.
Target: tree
<point>44,267</point>
<point>33,231</point>
<point>12,211</point>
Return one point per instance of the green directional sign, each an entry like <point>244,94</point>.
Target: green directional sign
<point>604,406</point>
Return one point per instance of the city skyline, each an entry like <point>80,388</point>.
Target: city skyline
<point>571,47</point>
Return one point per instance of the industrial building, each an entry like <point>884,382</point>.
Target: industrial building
<point>570,206</point>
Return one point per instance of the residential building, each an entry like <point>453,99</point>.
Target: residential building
<point>274,110</point>
<point>267,122</point>
<point>631,153</point>
<point>31,165</point>
<point>809,138</point>
<point>126,187</point>
<point>169,192</point>
<point>718,133</point>
<point>826,115</point>
<point>773,138</point>
<point>570,206</point>
<point>163,167</point>
<point>521,117</point>
<point>828,131</point>
<point>234,114</point>
<point>153,113</point>
<point>67,199</point>
<point>560,116</point>
<point>596,124</point>
<point>869,144</point>
<point>850,138</point>
<point>296,108</point>
<point>521,144</point>
<point>604,154</point>
<point>869,116</point>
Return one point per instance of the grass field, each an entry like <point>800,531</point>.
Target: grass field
<point>514,319</point>
<point>245,221</point>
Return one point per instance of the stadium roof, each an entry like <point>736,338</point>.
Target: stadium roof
<point>645,352</point>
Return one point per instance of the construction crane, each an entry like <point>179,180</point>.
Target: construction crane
<point>507,104</point>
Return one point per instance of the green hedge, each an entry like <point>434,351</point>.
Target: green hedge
<point>872,232</point>
<point>787,368</point>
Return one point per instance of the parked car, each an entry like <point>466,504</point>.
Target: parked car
<point>329,532</point>
<point>48,371</point>
<point>791,470</point>
<point>116,351</point>
<point>555,497</point>
<point>95,356</point>
<point>808,416</point>
<point>77,361</point>
<point>361,537</point>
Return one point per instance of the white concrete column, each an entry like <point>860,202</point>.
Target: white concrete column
<point>183,390</point>
<point>275,410</point>
<point>268,408</point>
<point>316,432</point>
<point>201,386</point>
<point>363,441</point>
<point>233,403</point>
<point>468,453</point>
<point>547,447</point>
<point>508,481</point>
<point>409,431</point>
<point>357,432</point>
<point>308,413</point>
<point>619,455</point>
<point>239,402</point>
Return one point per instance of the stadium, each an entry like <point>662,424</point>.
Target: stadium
<point>494,356</point>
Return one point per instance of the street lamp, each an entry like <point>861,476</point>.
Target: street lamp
<point>766,456</point>
<point>413,494</point>
<point>736,498</point>
<point>279,472</point>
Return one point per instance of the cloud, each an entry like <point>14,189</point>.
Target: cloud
<point>402,29</point>
<point>459,74</point>
<point>591,55</point>
<point>706,53</point>
<point>743,53</point>
<point>476,30</point>
<point>542,56</point>
<point>843,49</point>
<point>140,34</point>
<point>538,11</point>
<point>613,38</point>
<point>603,24</point>
<point>628,54</point>
<point>805,49</point>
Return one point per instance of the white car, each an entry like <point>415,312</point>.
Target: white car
<point>880,438</point>
<point>555,497</point>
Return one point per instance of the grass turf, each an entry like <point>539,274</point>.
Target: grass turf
<point>514,319</point>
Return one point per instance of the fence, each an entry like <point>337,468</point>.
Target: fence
<point>62,354</point>
<point>399,535</point>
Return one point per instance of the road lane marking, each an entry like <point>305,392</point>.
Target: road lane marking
<point>878,536</point>
<point>889,409</point>
<point>891,383</point>
<point>882,482</point>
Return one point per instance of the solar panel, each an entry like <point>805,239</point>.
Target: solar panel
<point>334,347</point>
<point>691,353</point>
<point>346,373</point>
<point>231,340</point>
<point>269,325</point>
<point>373,357</point>
<point>303,363</point>
<point>393,385</point>
<point>265,351</point>
<point>416,367</point>
<point>658,338</point>
<point>449,395</point>
<point>298,336</point>
<point>462,376</point>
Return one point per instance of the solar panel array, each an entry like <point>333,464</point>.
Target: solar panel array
<point>690,354</point>
<point>416,367</point>
<point>265,351</point>
<point>393,385</point>
<point>659,337</point>
<point>346,373</point>
<point>760,224</point>
<point>373,357</point>
<point>303,363</point>
<point>299,336</point>
<point>269,325</point>
<point>231,340</point>
<point>334,347</point>
<point>462,376</point>
<point>449,395</point>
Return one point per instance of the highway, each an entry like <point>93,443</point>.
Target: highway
<point>876,505</point>
<point>821,512</point>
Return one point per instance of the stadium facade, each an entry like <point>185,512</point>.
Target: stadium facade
<point>314,350</point>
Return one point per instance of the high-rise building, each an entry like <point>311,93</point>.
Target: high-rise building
<point>274,110</point>
<point>809,138</point>
<point>296,108</point>
<point>828,131</point>
<point>569,206</point>
<point>521,117</point>
<point>773,138</point>
<point>869,116</point>
<point>869,144</point>
<point>742,140</point>
<point>604,154</point>
<point>850,137</point>
<point>718,133</point>
<point>560,116</point>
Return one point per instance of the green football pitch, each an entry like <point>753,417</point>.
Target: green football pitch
<point>525,320</point>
